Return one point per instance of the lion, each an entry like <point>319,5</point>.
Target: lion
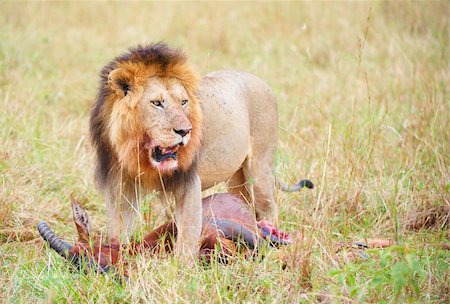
<point>157,125</point>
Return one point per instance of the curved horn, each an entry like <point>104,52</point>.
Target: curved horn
<point>304,183</point>
<point>60,246</point>
<point>235,232</point>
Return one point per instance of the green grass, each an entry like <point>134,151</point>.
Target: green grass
<point>364,106</point>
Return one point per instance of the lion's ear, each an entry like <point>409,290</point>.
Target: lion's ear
<point>120,80</point>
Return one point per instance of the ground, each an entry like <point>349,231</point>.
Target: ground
<point>363,92</point>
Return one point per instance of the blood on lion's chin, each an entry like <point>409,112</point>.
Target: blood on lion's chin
<point>165,166</point>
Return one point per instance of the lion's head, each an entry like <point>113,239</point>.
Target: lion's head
<point>146,117</point>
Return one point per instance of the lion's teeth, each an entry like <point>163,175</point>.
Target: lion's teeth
<point>169,150</point>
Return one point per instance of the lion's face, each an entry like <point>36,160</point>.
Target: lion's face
<point>146,119</point>
<point>153,123</point>
<point>164,114</point>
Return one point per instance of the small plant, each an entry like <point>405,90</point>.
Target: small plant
<point>396,270</point>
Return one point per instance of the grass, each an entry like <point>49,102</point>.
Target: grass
<point>363,91</point>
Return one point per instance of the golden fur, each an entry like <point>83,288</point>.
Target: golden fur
<point>116,121</point>
<point>146,98</point>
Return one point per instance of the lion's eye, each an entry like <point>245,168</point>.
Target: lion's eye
<point>157,103</point>
<point>184,102</point>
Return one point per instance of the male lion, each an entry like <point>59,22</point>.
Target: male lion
<point>156,126</point>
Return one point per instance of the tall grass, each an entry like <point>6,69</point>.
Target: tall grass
<point>363,92</point>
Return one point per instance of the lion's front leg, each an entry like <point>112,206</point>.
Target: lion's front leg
<point>188,217</point>
<point>121,212</point>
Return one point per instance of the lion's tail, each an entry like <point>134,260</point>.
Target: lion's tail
<point>304,183</point>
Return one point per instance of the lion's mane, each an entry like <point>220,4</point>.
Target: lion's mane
<point>122,157</point>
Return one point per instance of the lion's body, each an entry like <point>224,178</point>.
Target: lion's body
<point>155,127</point>
<point>240,136</point>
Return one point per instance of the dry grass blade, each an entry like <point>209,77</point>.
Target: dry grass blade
<point>436,217</point>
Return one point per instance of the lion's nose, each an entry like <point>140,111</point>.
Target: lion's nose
<point>182,132</point>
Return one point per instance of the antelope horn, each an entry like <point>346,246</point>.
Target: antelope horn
<point>60,246</point>
<point>236,232</point>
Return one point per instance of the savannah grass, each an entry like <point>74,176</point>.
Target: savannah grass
<point>363,93</point>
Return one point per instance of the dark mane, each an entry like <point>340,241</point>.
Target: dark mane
<point>154,54</point>
<point>158,54</point>
<point>180,178</point>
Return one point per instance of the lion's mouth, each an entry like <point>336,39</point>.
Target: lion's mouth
<point>164,158</point>
<point>161,154</point>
